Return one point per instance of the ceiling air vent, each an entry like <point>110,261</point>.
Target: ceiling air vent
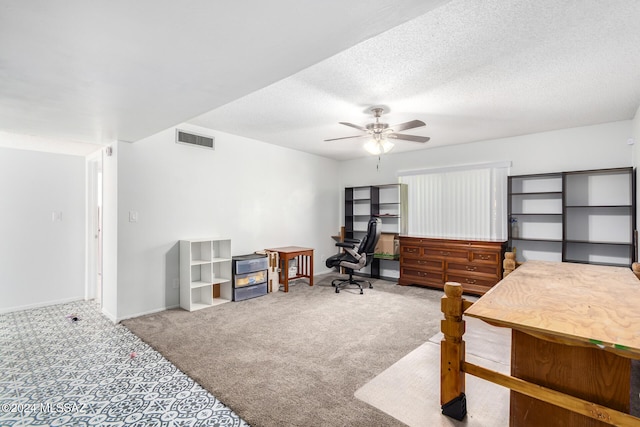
<point>194,139</point>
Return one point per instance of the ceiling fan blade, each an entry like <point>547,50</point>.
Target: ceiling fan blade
<point>408,125</point>
<point>413,138</point>
<point>364,129</point>
<point>347,137</point>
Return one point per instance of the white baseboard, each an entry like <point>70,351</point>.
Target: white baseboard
<point>40,304</point>
<point>144,313</point>
<point>109,316</point>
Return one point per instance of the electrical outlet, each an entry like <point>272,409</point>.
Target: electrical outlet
<point>176,283</point>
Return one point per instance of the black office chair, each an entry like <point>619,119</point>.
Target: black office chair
<point>357,255</point>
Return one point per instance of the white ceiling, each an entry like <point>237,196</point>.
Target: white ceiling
<point>287,71</point>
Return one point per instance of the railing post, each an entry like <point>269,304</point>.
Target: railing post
<point>509,263</point>
<point>635,267</point>
<point>452,381</point>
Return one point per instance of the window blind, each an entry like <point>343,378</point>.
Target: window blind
<point>462,202</point>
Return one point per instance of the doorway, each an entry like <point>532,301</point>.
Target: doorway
<point>93,288</point>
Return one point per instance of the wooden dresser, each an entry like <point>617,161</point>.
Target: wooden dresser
<point>475,264</point>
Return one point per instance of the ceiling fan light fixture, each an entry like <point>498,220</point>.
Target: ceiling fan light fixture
<point>380,146</point>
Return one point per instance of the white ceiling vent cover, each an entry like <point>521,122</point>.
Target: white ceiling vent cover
<point>194,139</point>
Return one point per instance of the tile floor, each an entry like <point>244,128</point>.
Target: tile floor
<point>57,371</point>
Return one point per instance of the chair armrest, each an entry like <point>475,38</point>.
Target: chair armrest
<point>348,240</point>
<point>345,245</point>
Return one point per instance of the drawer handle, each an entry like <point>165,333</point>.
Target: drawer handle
<point>470,268</point>
<point>421,262</point>
<point>422,274</point>
<point>413,251</point>
<point>485,257</point>
<point>470,281</point>
<point>445,253</point>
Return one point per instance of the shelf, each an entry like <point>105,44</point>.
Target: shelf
<point>524,239</point>
<point>387,202</point>
<point>539,193</point>
<point>540,184</point>
<point>607,264</point>
<point>205,271</point>
<point>599,206</point>
<point>218,301</point>
<point>199,284</point>
<point>536,214</point>
<point>199,306</point>
<point>595,242</point>
<point>387,257</point>
<point>534,203</point>
<point>584,216</point>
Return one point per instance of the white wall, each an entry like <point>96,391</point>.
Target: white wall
<point>583,148</point>
<point>41,261</point>
<point>185,192</point>
<point>256,194</point>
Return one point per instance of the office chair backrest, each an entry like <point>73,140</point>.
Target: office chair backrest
<point>370,240</point>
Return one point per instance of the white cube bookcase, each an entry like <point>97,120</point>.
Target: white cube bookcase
<point>205,273</point>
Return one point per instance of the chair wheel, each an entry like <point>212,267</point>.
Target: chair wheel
<point>337,290</point>
<point>370,286</point>
<point>361,292</point>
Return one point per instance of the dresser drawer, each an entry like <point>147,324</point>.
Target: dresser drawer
<point>472,285</point>
<point>421,263</point>
<point>487,257</point>
<point>445,253</point>
<point>416,276</point>
<point>476,264</point>
<point>469,269</point>
<point>469,280</point>
<point>409,251</point>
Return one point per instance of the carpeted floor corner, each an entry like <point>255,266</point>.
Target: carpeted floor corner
<point>297,358</point>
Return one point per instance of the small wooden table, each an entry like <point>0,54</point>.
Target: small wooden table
<point>305,263</point>
<point>575,329</point>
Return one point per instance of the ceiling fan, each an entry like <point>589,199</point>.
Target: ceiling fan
<point>379,133</point>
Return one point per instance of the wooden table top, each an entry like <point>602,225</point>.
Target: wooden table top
<point>583,303</point>
<point>290,249</point>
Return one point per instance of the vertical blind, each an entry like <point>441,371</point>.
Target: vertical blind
<point>464,202</point>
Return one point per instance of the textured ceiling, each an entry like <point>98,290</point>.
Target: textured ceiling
<point>100,70</point>
<point>471,70</point>
<point>286,72</point>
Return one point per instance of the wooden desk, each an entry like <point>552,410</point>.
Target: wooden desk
<point>305,263</point>
<point>575,329</point>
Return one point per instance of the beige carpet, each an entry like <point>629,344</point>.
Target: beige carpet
<point>409,390</point>
<point>296,359</point>
<point>312,357</point>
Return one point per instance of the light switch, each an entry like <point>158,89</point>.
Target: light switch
<point>56,216</point>
<point>133,216</point>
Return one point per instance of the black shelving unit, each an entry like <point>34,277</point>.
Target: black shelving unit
<point>599,216</point>
<point>360,203</point>
<point>579,216</point>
